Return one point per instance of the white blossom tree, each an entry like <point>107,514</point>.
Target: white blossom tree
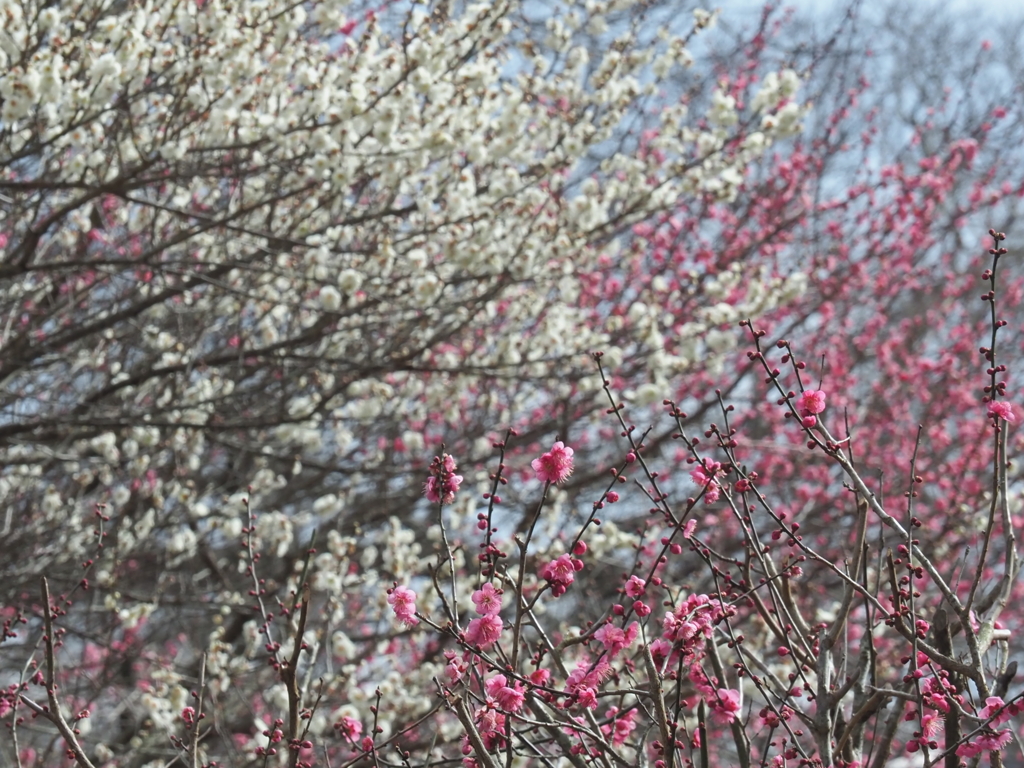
<point>267,244</point>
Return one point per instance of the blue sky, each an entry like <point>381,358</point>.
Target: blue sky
<point>996,9</point>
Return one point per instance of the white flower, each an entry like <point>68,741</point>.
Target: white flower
<point>789,82</point>
<point>719,341</point>
<point>105,66</point>
<point>723,109</point>
<point>330,299</point>
<point>417,258</point>
<point>182,542</point>
<point>343,648</point>
<point>426,289</point>
<point>768,94</point>
<point>52,502</point>
<point>349,281</point>
<point>703,19</point>
<point>648,393</point>
<point>327,504</point>
<point>48,18</point>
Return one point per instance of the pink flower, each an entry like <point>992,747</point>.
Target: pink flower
<point>484,631</point>
<point>615,639</point>
<point>560,573</point>
<point>403,601</point>
<point>487,600</point>
<point>635,586</point>
<point>931,725</point>
<point>455,668</point>
<point>443,483</point>
<point>660,650</point>
<point>705,476</point>
<point>349,728</point>
<point>621,727</point>
<point>540,676</point>
<point>511,698</point>
<point>508,697</point>
<point>494,684</point>
<point>443,491</point>
<point>490,722</point>
<point>692,623</point>
<point>990,741</point>
<point>555,465</point>
<point>712,493</point>
<point>588,673</point>
<point>725,704</point>
<point>559,569</point>
<point>586,697</point>
<point>811,402</point>
<point>992,705</point>
<point>1000,409</point>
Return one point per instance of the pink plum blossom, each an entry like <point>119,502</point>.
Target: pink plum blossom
<point>484,631</point>
<point>705,476</point>
<point>456,667</point>
<point>443,483</point>
<point>511,698</point>
<point>560,573</point>
<point>725,704</point>
<point>508,697</point>
<point>635,586</point>
<point>494,684</point>
<point>403,601</point>
<point>586,697</point>
<point>555,465</point>
<point>986,741</point>
<point>487,600</point>
<point>540,677</point>
<point>994,704</point>
<point>1000,409</point>
<point>615,639</point>
<point>349,728</point>
<point>811,402</point>
<point>621,726</point>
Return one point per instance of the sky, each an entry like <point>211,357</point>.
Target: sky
<point>996,9</point>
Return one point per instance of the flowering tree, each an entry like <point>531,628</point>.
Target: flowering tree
<point>242,248</point>
<point>750,672</point>
<point>257,257</point>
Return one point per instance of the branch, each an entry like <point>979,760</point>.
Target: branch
<point>53,714</point>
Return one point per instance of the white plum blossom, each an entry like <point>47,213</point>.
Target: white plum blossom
<point>330,299</point>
